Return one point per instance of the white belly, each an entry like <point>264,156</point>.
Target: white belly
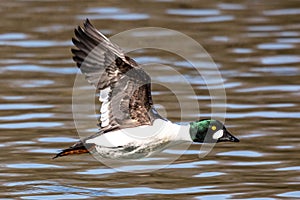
<point>140,141</point>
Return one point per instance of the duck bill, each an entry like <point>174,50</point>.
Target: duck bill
<point>227,137</point>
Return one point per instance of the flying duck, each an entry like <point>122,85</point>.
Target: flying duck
<point>130,127</point>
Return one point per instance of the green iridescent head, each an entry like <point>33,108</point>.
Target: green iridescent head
<point>210,131</point>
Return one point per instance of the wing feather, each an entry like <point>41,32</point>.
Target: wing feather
<point>125,88</point>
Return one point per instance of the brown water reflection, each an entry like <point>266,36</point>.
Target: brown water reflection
<point>256,46</point>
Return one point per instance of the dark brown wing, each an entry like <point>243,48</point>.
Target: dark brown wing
<point>125,88</point>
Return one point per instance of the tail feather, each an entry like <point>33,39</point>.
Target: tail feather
<point>77,148</point>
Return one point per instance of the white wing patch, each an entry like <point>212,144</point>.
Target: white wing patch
<point>104,94</point>
<point>218,134</point>
<point>104,98</point>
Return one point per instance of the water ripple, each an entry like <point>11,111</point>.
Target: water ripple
<point>36,68</point>
<point>145,190</point>
<point>294,168</point>
<point>274,46</point>
<point>57,139</point>
<point>295,194</point>
<point>241,153</point>
<point>280,59</point>
<point>31,125</point>
<point>12,36</point>
<point>23,106</point>
<point>193,12</point>
<point>284,88</point>
<point>290,11</point>
<point>209,174</point>
<point>35,43</point>
<point>256,163</point>
<point>113,13</point>
<point>31,166</point>
<point>221,18</point>
<point>265,114</point>
<point>231,6</point>
<point>26,116</point>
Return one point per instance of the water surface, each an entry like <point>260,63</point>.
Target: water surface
<point>256,47</point>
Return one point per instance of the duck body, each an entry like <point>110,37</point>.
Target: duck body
<point>139,142</point>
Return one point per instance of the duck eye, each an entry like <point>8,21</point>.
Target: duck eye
<point>213,128</point>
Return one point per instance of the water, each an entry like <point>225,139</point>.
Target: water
<point>256,47</point>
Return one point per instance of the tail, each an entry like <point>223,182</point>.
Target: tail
<point>77,148</point>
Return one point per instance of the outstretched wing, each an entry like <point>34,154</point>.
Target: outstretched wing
<point>125,88</point>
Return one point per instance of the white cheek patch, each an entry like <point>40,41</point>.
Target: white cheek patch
<point>218,134</point>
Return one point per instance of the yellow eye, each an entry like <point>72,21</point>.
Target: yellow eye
<point>213,128</point>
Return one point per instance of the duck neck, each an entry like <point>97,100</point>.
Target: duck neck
<point>180,132</point>
<point>198,130</point>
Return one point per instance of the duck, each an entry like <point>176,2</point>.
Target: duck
<point>130,126</point>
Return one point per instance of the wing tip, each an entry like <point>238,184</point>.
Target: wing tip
<point>87,23</point>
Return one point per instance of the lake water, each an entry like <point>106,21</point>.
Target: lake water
<point>256,46</point>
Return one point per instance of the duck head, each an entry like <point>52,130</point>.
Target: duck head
<point>210,131</point>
